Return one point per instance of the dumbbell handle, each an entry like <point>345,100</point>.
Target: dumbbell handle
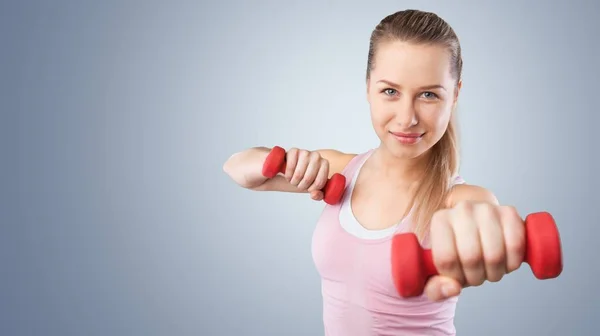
<point>412,265</point>
<point>275,163</point>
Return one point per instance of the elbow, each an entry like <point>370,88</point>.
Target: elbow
<point>233,168</point>
<point>229,167</point>
<point>245,167</point>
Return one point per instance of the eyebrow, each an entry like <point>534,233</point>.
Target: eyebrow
<point>426,87</point>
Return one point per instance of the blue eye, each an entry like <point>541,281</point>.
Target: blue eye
<point>429,95</point>
<point>387,92</point>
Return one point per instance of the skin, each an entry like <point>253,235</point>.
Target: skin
<point>411,89</point>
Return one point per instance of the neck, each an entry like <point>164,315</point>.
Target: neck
<point>403,170</point>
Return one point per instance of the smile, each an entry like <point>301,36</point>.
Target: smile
<point>407,138</point>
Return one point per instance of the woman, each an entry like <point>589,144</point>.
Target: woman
<point>408,183</point>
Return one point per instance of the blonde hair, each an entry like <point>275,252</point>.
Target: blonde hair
<point>422,27</point>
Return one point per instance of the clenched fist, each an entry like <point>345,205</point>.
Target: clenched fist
<point>307,170</point>
<point>471,243</point>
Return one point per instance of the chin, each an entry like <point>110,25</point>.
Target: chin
<point>402,151</point>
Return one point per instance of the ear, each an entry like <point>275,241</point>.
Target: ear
<point>456,94</point>
<point>368,82</point>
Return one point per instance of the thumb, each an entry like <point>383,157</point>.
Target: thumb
<point>316,195</point>
<point>439,288</point>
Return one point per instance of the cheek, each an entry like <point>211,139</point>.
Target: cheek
<point>436,115</point>
<point>381,113</point>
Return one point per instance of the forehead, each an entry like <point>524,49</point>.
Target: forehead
<point>412,64</point>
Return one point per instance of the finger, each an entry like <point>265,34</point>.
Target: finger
<point>468,243</point>
<point>514,237</point>
<point>291,159</point>
<point>300,169</point>
<point>312,170</point>
<point>443,247</point>
<point>316,195</point>
<point>492,241</point>
<point>440,288</point>
<point>322,176</point>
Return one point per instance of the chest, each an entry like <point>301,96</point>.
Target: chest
<point>349,262</point>
<point>378,206</point>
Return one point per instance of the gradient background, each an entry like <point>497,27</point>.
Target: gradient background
<point>117,218</point>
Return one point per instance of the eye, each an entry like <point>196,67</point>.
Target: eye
<point>389,92</point>
<point>429,95</point>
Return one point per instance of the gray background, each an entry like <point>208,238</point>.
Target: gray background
<point>117,218</point>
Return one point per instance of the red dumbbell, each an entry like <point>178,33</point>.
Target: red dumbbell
<point>412,265</point>
<point>275,163</point>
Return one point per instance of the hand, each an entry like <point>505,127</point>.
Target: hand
<point>307,171</point>
<point>472,243</point>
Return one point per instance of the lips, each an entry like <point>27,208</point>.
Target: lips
<point>407,135</point>
<point>407,138</point>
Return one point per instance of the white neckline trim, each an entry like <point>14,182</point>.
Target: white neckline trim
<point>349,222</point>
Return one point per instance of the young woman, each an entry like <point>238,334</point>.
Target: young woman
<point>408,183</point>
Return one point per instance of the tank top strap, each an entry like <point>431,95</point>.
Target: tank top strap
<point>350,171</point>
<point>354,165</point>
<point>457,179</point>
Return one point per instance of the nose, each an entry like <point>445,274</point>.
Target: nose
<point>406,114</point>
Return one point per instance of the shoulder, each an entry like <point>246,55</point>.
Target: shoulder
<point>338,160</point>
<point>336,155</point>
<point>471,193</point>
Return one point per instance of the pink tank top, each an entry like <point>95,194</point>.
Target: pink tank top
<point>359,298</point>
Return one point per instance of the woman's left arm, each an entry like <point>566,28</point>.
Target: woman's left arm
<point>473,240</point>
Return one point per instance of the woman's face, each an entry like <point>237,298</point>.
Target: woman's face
<point>412,94</point>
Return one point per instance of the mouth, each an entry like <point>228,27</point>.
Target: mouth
<point>407,138</point>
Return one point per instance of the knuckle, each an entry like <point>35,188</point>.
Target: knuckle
<point>510,209</point>
<point>320,182</point>
<point>495,259</point>
<point>477,281</point>
<point>464,207</point>
<point>486,214</point>
<point>446,262</point>
<point>308,178</point>
<point>304,177</point>
<point>486,209</point>
<point>510,212</point>
<point>301,180</point>
<point>314,162</point>
<point>303,186</point>
<point>515,244</point>
<point>303,153</point>
<point>511,267</point>
<point>297,176</point>
<point>495,276</point>
<point>323,171</point>
<point>516,249</point>
<point>471,258</point>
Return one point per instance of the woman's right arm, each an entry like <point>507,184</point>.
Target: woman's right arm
<point>307,171</point>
